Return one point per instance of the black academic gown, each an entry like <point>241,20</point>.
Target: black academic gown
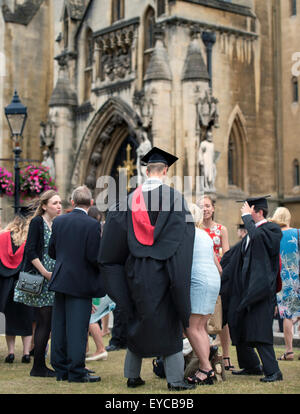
<point>150,283</point>
<point>8,276</point>
<point>248,287</point>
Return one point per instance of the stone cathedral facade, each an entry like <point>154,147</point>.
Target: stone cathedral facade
<point>179,74</point>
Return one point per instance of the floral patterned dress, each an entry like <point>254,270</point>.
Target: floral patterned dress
<point>288,299</point>
<point>216,236</point>
<point>46,298</point>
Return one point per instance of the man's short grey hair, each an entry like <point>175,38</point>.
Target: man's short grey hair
<point>156,167</point>
<point>82,196</point>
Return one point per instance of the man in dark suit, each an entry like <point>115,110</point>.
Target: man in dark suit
<point>248,291</point>
<point>74,244</point>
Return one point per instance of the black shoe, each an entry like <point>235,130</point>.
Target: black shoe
<point>209,380</point>
<point>183,386</point>
<point>46,373</point>
<point>31,353</point>
<point>110,348</point>
<point>254,371</point>
<point>135,382</point>
<point>86,378</point>
<point>62,377</point>
<point>25,359</point>
<point>89,371</point>
<point>277,376</point>
<point>10,358</point>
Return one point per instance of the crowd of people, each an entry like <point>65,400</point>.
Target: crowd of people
<point>160,269</point>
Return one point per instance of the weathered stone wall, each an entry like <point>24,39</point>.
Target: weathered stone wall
<point>290,125</point>
<point>242,79</point>
<point>28,51</point>
<point>245,81</point>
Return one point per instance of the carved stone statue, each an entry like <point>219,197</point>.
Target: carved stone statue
<point>207,160</point>
<point>144,147</point>
<point>207,111</point>
<point>49,163</point>
<point>47,133</point>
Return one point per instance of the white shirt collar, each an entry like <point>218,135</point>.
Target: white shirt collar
<point>151,183</point>
<point>261,222</point>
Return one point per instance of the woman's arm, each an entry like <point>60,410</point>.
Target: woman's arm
<point>225,240</point>
<point>33,239</point>
<point>32,246</point>
<point>41,269</point>
<point>219,267</point>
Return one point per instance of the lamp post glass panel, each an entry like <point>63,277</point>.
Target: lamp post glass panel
<point>16,114</point>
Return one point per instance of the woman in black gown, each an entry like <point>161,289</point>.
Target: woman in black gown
<point>18,317</point>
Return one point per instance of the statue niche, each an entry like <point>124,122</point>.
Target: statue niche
<point>207,118</point>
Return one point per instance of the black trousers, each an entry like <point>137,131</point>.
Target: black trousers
<point>119,330</point>
<point>248,359</point>
<point>70,324</point>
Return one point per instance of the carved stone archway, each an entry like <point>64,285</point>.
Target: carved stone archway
<point>100,143</point>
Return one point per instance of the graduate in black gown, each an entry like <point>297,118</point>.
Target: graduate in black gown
<point>248,290</point>
<point>146,258</point>
<point>18,317</point>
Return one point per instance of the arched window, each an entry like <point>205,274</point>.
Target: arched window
<point>66,30</point>
<point>88,71</point>
<point>161,7</point>
<point>149,41</point>
<point>117,10</point>
<point>295,89</point>
<point>296,173</point>
<point>293,6</point>
<point>236,155</point>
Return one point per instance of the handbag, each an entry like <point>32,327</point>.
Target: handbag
<point>215,322</point>
<point>30,283</point>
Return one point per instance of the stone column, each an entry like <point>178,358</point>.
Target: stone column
<point>209,39</point>
<point>158,83</point>
<point>195,81</point>
<point>62,104</point>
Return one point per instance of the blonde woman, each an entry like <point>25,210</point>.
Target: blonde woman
<point>288,299</point>
<point>205,287</point>
<point>18,317</point>
<point>219,236</point>
<point>37,260</point>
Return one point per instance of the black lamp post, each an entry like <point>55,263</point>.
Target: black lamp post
<point>16,114</point>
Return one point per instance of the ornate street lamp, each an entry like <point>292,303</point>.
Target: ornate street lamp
<point>16,114</point>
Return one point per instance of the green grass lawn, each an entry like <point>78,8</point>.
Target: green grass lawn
<point>15,379</point>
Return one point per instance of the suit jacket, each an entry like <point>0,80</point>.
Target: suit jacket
<point>248,285</point>
<point>74,244</point>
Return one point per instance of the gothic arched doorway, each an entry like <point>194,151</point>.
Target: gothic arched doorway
<point>104,146</point>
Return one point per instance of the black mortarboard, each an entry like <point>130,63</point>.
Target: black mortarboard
<point>241,226</point>
<point>158,155</point>
<point>259,202</point>
<point>25,211</point>
<point>28,210</point>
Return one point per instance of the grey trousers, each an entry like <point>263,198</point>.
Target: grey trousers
<point>173,364</point>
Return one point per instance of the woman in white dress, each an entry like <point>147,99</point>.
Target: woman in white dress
<point>205,287</point>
